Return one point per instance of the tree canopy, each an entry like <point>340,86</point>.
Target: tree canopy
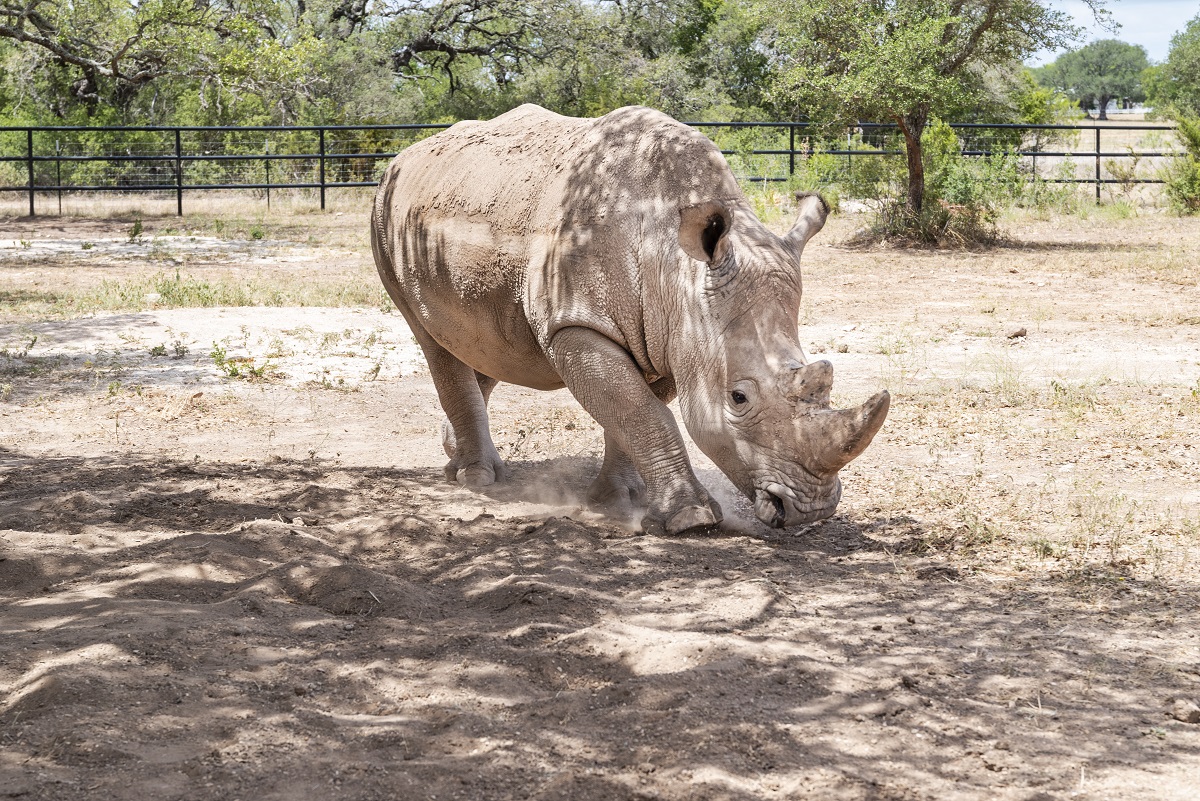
<point>901,60</point>
<point>1175,84</point>
<point>256,61</point>
<point>1098,73</point>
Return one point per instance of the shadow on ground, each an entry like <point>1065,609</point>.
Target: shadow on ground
<point>212,630</point>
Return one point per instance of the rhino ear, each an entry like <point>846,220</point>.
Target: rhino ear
<point>703,230</point>
<point>809,220</point>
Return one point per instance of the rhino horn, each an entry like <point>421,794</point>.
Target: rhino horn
<point>813,210</point>
<point>840,435</point>
<point>811,383</point>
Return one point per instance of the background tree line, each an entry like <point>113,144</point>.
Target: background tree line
<point>347,61</point>
<point>915,63</point>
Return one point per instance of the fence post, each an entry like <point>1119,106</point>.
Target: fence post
<point>321,167</point>
<point>791,149</point>
<point>29,162</point>
<point>58,172</point>
<point>267,167</point>
<point>178,173</point>
<point>1097,165</point>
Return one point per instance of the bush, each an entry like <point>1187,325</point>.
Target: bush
<point>963,195</point>
<point>1182,176</point>
<point>939,223</point>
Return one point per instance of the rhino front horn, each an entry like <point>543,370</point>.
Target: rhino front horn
<point>843,434</point>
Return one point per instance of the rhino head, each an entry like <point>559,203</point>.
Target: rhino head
<point>749,397</point>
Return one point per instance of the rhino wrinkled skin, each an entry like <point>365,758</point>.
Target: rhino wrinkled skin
<point>617,257</point>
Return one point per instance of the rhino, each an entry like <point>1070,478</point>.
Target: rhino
<point>618,258</point>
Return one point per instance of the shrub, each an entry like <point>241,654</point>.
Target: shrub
<point>963,195</point>
<point>1182,178</point>
<point>1182,175</point>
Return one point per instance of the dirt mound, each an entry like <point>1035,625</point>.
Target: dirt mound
<point>356,590</point>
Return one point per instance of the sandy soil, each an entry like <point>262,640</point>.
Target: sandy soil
<point>259,587</point>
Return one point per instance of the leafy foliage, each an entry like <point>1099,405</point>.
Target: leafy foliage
<point>335,61</point>
<point>1096,74</point>
<point>1182,175</point>
<point>901,60</point>
<point>1176,82</point>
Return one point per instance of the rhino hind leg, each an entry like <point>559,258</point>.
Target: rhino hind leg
<point>449,441</point>
<point>463,393</point>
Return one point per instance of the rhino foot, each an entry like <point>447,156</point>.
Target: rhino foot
<point>479,474</point>
<point>608,494</point>
<point>689,518</point>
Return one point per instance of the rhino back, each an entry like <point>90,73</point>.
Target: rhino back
<point>465,204</point>
<point>615,264</point>
<point>497,234</point>
<point>455,226</point>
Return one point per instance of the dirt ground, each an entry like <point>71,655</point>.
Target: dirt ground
<point>230,567</point>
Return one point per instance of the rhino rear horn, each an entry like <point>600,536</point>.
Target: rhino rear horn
<point>811,383</point>
<point>813,210</point>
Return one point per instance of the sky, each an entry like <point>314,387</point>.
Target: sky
<point>1149,23</point>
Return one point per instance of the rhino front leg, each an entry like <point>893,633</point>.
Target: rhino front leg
<point>608,384</point>
<point>474,460</point>
<point>619,487</point>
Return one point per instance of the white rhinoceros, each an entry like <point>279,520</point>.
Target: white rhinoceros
<point>617,257</point>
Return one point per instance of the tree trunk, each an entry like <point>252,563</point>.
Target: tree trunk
<point>1103,103</point>
<point>912,125</point>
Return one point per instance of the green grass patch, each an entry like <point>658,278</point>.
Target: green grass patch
<point>180,290</point>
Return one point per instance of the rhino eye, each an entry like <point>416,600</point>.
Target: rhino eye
<point>738,396</point>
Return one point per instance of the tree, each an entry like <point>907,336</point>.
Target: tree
<point>444,37</point>
<point>1098,73</point>
<point>901,60</point>
<point>102,55</point>
<point>128,46</point>
<point>1176,82</point>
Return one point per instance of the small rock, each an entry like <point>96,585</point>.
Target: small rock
<point>1185,711</point>
<point>298,521</point>
<point>1016,333</point>
<point>934,572</point>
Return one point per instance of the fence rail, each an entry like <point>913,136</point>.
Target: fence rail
<point>179,159</point>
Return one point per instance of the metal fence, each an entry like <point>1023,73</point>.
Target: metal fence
<point>166,159</point>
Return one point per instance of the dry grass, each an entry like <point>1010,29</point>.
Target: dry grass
<point>229,251</point>
<point>291,205</point>
<point>1069,451</point>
